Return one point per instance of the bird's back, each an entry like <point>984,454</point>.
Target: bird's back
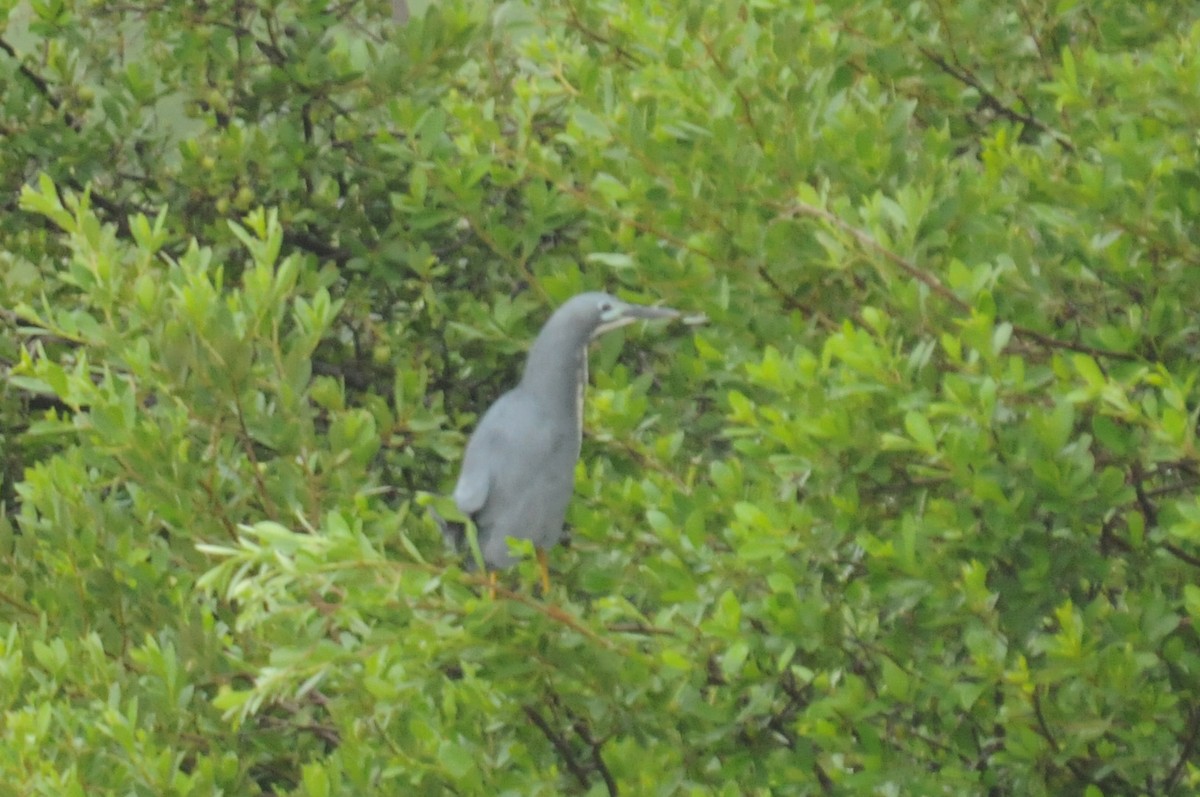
<point>518,475</point>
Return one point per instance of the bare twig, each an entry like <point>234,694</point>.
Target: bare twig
<point>863,239</point>
<point>553,612</point>
<point>17,603</point>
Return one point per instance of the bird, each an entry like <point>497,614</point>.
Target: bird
<point>518,470</point>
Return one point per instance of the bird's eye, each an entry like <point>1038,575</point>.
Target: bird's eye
<point>605,306</point>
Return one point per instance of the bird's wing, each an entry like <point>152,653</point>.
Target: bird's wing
<point>484,454</point>
<point>474,482</point>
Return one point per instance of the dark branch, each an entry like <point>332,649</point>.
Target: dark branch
<point>40,83</point>
<point>1181,554</point>
<point>317,246</point>
<point>560,744</point>
<point>598,764</point>
<point>576,23</point>
<point>1185,755</point>
<point>1044,730</point>
<point>992,101</point>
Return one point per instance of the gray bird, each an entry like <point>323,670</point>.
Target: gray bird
<point>518,472</point>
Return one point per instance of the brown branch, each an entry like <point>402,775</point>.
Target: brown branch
<point>576,23</point>
<point>647,463</point>
<point>553,612</point>
<point>247,441</point>
<point>747,115</point>
<point>1033,31</point>
<point>215,505</point>
<point>17,603</point>
<point>1069,345</point>
<point>864,240</point>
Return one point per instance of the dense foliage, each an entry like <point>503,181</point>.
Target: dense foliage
<point>917,512</point>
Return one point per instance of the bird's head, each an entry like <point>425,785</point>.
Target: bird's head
<point>597,313</point>
<point>557,362</point>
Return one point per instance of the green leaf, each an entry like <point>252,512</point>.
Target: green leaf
<point>734,659</point>
<point>1191,601</point>
<point>457,760</point>
<point>918,428</point>
<point>895,679</point>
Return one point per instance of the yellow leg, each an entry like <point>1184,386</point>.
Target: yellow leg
<point>492,578</point>
<point>543,571</point>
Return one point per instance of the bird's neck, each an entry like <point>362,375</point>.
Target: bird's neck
<point>556,371</point>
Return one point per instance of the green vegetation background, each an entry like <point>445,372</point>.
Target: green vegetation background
<point>916,512</point>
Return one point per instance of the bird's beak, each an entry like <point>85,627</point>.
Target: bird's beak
<point>637,312</point>
<point>625,314</point>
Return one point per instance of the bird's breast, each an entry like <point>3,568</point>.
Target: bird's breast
<point>580,390</point>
